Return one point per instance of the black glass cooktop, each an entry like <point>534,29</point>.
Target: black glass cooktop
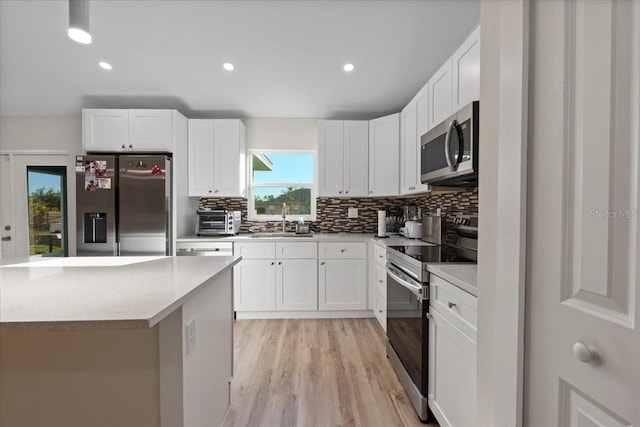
<point>432,253</point>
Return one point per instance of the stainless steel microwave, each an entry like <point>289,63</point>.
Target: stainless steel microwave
<point>449,151</point>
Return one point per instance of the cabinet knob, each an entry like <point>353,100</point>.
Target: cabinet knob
<point>322,263</point>
<point>370,191</point>
<point>216,191</point>
<point>380,311</point>
<point>340,192</point>
<point>343,250</point>
<point>380,281</point>
<point>130,147</point>
<point>584,353</point>
<point>123,146</point>
<point>346,192</point>
<point>451,304</point>
<point>280,263</point>
<point>210,191</point>
<point>273,263</point>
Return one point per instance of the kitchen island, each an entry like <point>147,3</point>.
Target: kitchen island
<point>144,341</point>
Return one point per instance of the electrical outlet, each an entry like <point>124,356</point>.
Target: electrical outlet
<point>190,333</point>
<point>353,213</point>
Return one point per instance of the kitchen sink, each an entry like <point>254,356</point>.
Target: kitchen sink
<point>280,234</point>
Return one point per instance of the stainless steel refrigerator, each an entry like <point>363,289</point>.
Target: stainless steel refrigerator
<point>123,205</point>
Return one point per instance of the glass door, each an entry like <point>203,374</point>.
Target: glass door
<point>46,187</point>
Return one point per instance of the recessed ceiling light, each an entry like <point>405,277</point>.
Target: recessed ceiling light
<point>348,67</point>
<point>105,65</point>
<point>228,66</point>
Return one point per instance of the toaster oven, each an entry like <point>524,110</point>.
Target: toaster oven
<point>217,222</point>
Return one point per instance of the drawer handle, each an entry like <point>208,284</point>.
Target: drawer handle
<point>452,304</point>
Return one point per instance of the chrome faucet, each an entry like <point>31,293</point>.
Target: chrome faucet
<point>284,217</point>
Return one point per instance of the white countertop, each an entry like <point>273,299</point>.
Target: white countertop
<point>463,275</point>
<point>99,292</point>
<point>315,237</point>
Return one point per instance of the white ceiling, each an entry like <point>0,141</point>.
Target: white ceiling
<point>168,54</point>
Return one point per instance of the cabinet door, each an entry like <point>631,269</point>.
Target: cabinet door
<point>105,130</point>
<point>254,285</point>
<point>227,158</point>
<point>384,156</point>
<point>331,158</point>
<point>466,71</point>
<point>200,148</point>
<point>356,158</point>
<point>440,95</point>
<point>409,165</point>
<point>422,111</point>
<point>297,284</point>
<point>452,373</point>
<point>151,130</point>
<point>342,284</point>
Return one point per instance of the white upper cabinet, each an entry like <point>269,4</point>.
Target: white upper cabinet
<point>356,158</point>
<point>150,130</point>
<point>440,94</point>
<point>217,158</point>
<point>413,125</point>
<point>466,71</point>
<point>343,158</point>
<point>111,130</point>
<point>384,156</point>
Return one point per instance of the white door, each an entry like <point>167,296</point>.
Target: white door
<point>331,157</point>
<point>582,359</point>
<point>342,284</point>
<point>226,158</point>
<point>201,168</point>
<point>14,210</point>
<point>7,221</point>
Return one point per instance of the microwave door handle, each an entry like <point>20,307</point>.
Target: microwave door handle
<point>447,146</point>
<point>460,145</point>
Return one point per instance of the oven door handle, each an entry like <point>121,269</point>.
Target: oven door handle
<point>416,290</point>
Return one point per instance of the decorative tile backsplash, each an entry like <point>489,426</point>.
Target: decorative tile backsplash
<point>331,214</point>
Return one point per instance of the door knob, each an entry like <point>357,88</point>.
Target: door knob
<point>584,353</point>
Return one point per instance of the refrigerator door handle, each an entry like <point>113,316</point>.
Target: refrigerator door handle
<point>93,229</point>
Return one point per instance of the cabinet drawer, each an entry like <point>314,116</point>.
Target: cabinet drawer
<point>380,255</point>
<point>342,250</point>
<point>456,305</point>
<point>381,310</point>
<point>380,278</point>
<point>296,250</point>
<point>255,250</point>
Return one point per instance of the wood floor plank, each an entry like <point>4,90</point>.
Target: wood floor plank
<point>315,372</point>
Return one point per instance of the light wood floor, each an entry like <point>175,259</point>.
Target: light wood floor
<point>315,373</point>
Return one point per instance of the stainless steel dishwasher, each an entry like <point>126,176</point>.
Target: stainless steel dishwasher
<point>204,248</point>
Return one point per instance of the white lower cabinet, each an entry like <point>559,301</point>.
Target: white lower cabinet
<point>276,276</point>
<point>452,355</point>
<point>379,285</point>
<point>342,276</point>
<point>255,285</point>
<point>297,284</point>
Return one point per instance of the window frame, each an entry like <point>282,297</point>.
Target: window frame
<point>251,216</point>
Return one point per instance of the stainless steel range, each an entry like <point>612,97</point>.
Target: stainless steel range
<point>408,306</point>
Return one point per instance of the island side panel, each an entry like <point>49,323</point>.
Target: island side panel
<point>80,378</point>
<point>171,362</point>
<point>208,364</point>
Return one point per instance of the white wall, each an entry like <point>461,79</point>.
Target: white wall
<point>502,212</point>
<point>41,133</point>
<point>46,135</point>
<point>282,134</point>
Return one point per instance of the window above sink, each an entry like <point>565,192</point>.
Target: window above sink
<point>282,177</point>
